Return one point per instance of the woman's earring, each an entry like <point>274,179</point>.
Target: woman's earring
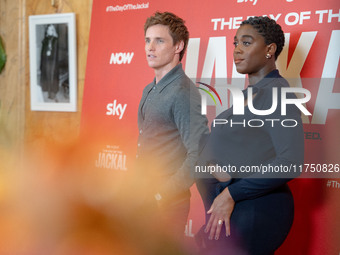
<point>268,56</point>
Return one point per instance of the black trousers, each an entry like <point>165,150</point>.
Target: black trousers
<point>258,226</point>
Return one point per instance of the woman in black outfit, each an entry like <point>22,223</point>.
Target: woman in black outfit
<point>252,213</point>
<point>49,65</point>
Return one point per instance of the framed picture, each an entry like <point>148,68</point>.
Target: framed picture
<point>53,67</point>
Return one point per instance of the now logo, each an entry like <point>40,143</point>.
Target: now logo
<point>121,58</point>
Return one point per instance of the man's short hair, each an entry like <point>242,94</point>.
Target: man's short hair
<point>178,30</point>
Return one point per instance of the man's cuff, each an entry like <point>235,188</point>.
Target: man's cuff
<point>158,197</point>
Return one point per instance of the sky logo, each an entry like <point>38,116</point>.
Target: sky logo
<point>244,1</point>
<point>116,109</point>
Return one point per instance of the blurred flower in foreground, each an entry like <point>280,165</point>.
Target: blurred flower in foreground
<point>55,203</point>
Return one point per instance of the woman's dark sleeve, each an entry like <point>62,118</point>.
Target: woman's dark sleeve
<point>288,143</point>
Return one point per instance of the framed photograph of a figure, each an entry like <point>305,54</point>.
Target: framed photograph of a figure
<point>53,67</point>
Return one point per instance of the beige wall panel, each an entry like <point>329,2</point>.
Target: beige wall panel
<point>12,79</point>
<point>48,128</point>
<point>18,124</point>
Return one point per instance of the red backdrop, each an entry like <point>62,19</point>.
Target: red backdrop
<point>117,72</point>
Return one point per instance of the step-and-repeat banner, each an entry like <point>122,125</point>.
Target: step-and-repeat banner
<point>117,72</point>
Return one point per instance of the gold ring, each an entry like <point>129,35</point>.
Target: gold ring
<point>220,222</point>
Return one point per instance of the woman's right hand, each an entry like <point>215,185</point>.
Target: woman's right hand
<point>220,211</point>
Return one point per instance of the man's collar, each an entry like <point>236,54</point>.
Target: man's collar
<point>173,74</point>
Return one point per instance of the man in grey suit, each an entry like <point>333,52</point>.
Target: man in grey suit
<point>169,120</point>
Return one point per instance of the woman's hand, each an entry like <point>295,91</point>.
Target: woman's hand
<point>220,211</point>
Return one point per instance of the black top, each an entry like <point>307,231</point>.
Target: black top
<point>250,140</point>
